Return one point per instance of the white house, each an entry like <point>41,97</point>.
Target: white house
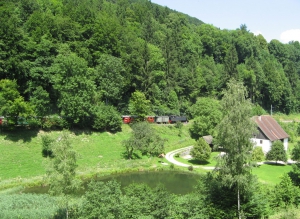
<point>268,132</point>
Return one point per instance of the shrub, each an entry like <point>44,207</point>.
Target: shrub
<point>47,146</point>
<point>54,122</point>
<point>107,118</point>
<point>190,168</point>
<point>172,166</point>
<point>201,150</point>
<point>257,154</point>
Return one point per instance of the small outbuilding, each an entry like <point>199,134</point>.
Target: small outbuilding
<point>208,139</point>
<point>268,131</point>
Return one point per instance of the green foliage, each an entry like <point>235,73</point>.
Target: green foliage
<point>13,104</point>
<point>107,118</point>
<point>201,150</point>
<point>47,142</point>
<point>29,206</point>
<point>41,101</point>
<point>62,167</point>
<point>67,56</point>
<point>285,193</point>
<point>258,110</point>
<point>76,90</point>
<point>54,122</point>
<point>139,105</point>
<point>234,132</point>
<point>102,200</point>
<point>296,152</point>
<point>277,152</point>
<point>145,140</point>
<point>207,114</point>
<point>109,78</point>
<point>221,198</point>
<point>257,154</point>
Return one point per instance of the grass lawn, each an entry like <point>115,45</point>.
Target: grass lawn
<point>271,173</point>
<point>210,163</point>
<point>100,153</point>
<point>266,173</point>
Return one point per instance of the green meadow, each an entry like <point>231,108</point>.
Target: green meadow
<point>22,163</point>
<point>21,159</point>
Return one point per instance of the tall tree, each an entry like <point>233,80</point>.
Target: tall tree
<point>139,105</point>
<point>230,62</point>
<point>73,83</point>
<point>234,132</point>
<point>109,78</point>
<point>61,171</point>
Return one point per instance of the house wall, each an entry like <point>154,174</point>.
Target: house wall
<point>285,143</point>
<point>265,144</point>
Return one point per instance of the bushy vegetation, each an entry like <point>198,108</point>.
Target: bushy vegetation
<point>66,57</point>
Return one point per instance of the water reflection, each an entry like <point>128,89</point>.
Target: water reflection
<point>174,182</point>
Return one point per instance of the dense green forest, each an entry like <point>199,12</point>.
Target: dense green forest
<point>78,59</point>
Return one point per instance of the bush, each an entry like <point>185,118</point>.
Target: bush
<point>201,150</point>
<point>107,118</point>
<point>54,122</point>
<point>190,168</point>
<point>258,154</point>
<point>172,166</point>
<point>47,146</point>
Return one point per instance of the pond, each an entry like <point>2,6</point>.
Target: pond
<point>174,181</point>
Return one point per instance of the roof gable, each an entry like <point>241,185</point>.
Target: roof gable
<point>270,127</point>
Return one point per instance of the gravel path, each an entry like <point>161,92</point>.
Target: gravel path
<point>170,157</point>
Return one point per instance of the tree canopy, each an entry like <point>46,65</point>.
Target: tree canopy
<point>67,56</point>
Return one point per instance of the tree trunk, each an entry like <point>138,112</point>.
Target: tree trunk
<point>239,203</point>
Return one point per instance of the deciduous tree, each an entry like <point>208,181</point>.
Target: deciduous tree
<point>277,152</point>
<point>234,132</point>
<point>201,150</point>
<point>61,171</point>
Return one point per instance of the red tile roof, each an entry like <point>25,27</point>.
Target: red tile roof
<point>270,127</point>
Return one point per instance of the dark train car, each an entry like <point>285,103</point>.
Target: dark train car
<point>174,119</point>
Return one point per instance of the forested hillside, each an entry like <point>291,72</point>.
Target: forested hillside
<point>79,58</point>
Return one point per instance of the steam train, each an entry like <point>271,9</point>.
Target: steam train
<point>156,119</point>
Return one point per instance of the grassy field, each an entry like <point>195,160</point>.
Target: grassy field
<point>266,173</point>
<point>21,159</point>
<point>100,153</point>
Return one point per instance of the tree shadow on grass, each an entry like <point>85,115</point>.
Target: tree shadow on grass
<point>134,156</point>
<point>198,162</point>
<point>275,164</point>
<point>78,131</point>
<point>16,135</point>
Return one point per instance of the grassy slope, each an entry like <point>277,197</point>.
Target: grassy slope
<point>99,152</point>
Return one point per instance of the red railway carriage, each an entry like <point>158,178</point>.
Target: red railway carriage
<point>150,119</point>
<point>126,119</point>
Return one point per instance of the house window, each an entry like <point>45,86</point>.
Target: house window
<point>261,141</point>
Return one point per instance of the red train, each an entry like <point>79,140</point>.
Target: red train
<point>156,119</point>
